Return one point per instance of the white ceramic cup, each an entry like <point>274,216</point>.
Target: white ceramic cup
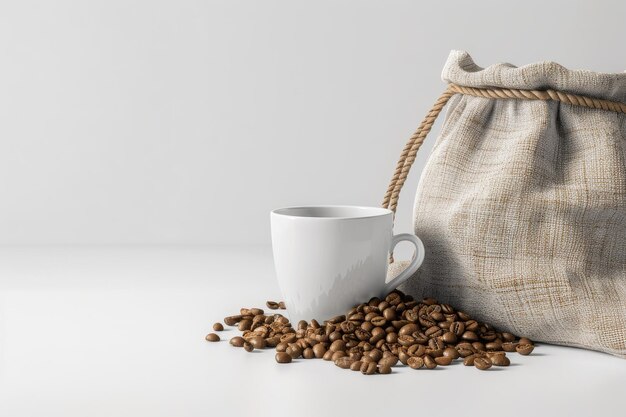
<point>330,258</point>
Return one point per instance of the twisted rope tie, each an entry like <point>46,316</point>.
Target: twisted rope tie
<point>407,157</point>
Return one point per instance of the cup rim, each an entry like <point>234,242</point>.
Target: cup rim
<point>368,212</point>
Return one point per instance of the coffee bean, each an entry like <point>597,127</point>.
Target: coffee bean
<point>338,354</point>
<point>375,354</point>
<point>429,362</point>
<point>378,321</point>
<point>469,336</point>
<point>337,345</point>
<point>389,314</point>
<point>344,362</point>
<point>272,305</point>
<point>282,305</point>
<point>509,346</point>
<point>463,352</point>
<point>524,349</point>
<point>443,360</point>
<point>451,352</point>
<point>524,341</point>
<point>508,337</point>
<point>496,345</point>
<point>449,337</point>
<point>482,363</point>
<point>248,347</point>
<point>258,342</point>
<point>416,350</point>
<point>283,357</point>
<point>294,351</point>
<point>415,362</point>
<point>232,320</point>
<point>328,355</point>
<point>237,341</point>
<point>384,369</point>
<point>319,350</point>
<point>500,360</point>
<point>308,353</point>
<point>368,368</point>
<point>436,344</point>
<point>218,327</point>
<point>433,331</point>
<point>469,360</point>
<point>281,347</point>
<point>479,346</point>
<point>403,357</point>
<point>212,337</point>
<point>406,340</point>
<point>244,325</point>
<point>391,338</point>
<point>356,366</point>
<point>408,329</point>
<point>389,361</point>
<point>272,341</point>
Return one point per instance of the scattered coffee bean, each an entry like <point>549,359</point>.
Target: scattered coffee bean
<point>415,362</point>
<point>212,337</point>
<point>482,363</point>
<point>282,306</point>
<point>373,337</point>
<point>283,357</point>
<point>272,305</point>
<point>237,341</point>
<point>524,349</point>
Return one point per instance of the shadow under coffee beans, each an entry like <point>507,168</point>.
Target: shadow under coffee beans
<point>374,336</point>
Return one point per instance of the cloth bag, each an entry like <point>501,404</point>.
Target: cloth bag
<point>522,203</point>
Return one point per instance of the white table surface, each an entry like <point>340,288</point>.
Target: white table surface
<point>111,331</point>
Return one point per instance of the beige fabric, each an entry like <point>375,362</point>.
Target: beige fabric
<point>522,207</point>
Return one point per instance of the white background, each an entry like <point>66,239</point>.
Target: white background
<point>185,122</point>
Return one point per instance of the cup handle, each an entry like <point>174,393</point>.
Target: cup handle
<point>418,258</point>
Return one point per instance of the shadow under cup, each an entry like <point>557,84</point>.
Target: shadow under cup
<point>330,258</point>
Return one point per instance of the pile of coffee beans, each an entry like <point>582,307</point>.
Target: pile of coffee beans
<point>374,336</point>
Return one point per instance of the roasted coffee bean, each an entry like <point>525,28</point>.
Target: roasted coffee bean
<point>411,315</point>
<point>302,325</point>
<point>495,345</point>
<point>308,353</point>
<point>338,354</point>
<point>508,337</point>
<point>248,347</point>
<point>449,338</point>
<point>479,346</point>
<point>434,353</point>
<point>469,360</point>
<point>482,363</point>
<point>406,340</point>
<point>282,305</point>
<point>283,357</point>
<point>218,327</point>
<point>465,352</point>
<point>356,366</point>
<point>389,314</point>
<point>524,341</point>
<point>344,362</point>
<point>416,350</point>
<point>272,305</point>
<point>328,355</point>
<point>469,336</point>
<point>294,351</point>
<point>509,346</point>
<point>436,344</point>
<point>212,337</point>
<point>429,362</point>
<point>451,352</point>
<point>348,327</point>
<point>389,361</point>
<point>500,359</point>
<point>378,321</point>
<point>337,345</point>
<point>391,338</point>
<point>237,341</point>
<point>272,341</point>
<point>256,311</point>
<point>443,360</point>
<point>244,324</point>
<point>258,342</point>
<point>408,329</point>
<point>433,331</point>
<point>368,368</point>
<point>471,325</point>
<point>378,333</point>
<point>403,357</point>
<point>415,362</point>
<point>375,354</point>
<point>319,350</point>
<point>384,369</point>
<point>524,349</point>
<point>232,320</point>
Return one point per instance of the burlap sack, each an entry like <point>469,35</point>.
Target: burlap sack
<point>522,204</point>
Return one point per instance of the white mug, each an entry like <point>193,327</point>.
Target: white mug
<point>331,258</point>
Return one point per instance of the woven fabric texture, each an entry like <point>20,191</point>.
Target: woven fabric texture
<point>522,207</point>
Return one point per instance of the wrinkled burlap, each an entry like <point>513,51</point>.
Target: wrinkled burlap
<point>522,207</point>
